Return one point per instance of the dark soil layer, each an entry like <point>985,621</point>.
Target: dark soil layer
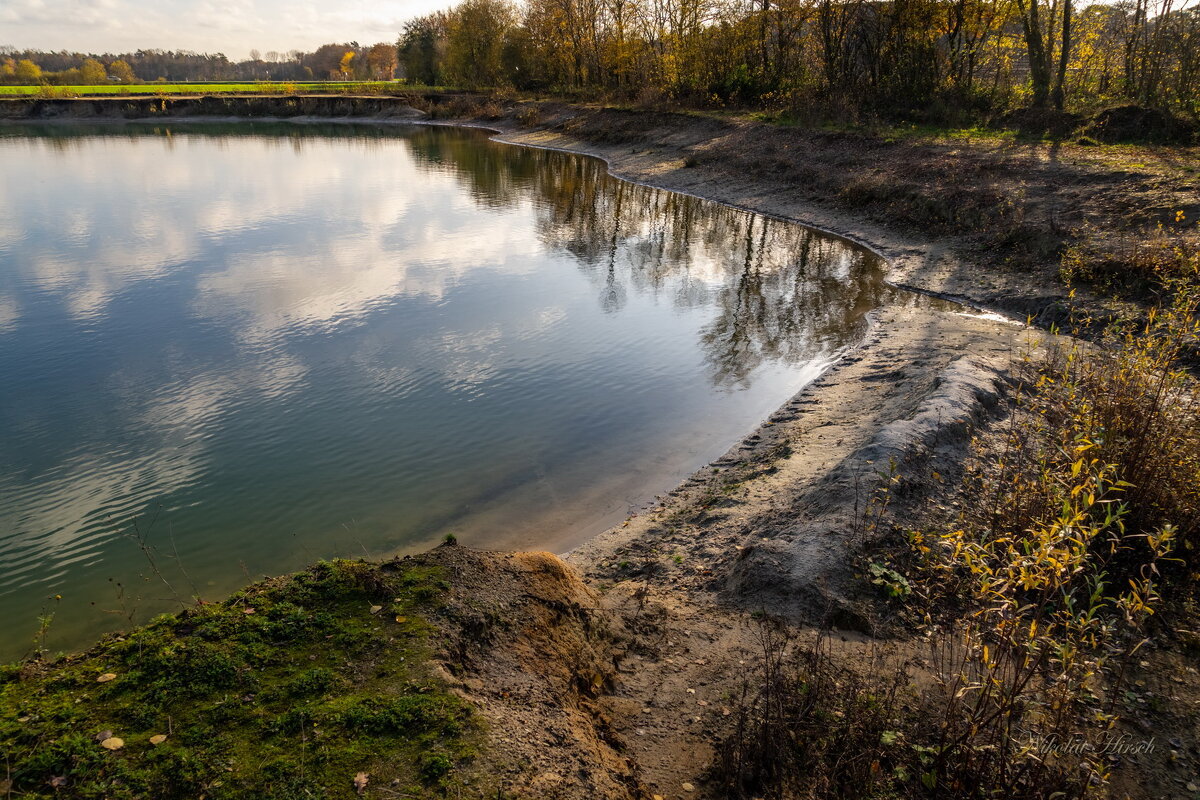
<point>251,106</point>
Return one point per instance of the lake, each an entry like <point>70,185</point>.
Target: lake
<point>229,350</point>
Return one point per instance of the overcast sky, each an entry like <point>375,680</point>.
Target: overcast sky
<point>232,27</point>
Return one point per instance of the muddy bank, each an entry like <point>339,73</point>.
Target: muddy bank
<point>986,219</point>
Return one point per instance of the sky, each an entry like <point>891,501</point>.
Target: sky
<point>232,27</point>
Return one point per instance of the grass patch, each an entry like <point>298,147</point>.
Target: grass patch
<point>290,688</point>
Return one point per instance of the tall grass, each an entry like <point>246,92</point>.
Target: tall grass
<point>1099,471</point>
<point>812,724</point>
<point>1141,263</point>
<point>1082,523</point>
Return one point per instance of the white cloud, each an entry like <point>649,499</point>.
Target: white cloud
<point>233,27</point>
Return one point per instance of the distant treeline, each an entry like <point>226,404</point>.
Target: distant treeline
<point>893,55</point>
<point>935,57</point>
<point>348,61</point>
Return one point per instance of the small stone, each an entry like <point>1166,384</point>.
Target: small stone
<point>401,619</point>
<point>158,739</point>
<point>113,743</point>
<point>106,677</point>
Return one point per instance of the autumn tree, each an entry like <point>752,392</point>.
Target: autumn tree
<point>1041,20</point>
<point>475,33</point>
<point>381,61</point>
<point>422,47</point>
<point>121,70</point>
<point>92,72</point>
<point>326,61</point>
<point>27,72</point>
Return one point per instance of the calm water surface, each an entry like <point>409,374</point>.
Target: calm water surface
<point>237,349</point>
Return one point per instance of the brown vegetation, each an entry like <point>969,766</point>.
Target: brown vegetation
<point>961,60</point>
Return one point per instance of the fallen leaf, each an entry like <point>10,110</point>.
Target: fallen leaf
<point>401,619</point>
<point>247,610</point>
<point>100,737</point>
<point>113,743</point>
<point>687,787</point>
<point>106,677</point>
<point>376,609</point>
<point>360,782</point>
<point>158,738</point>
<point>57,782</point>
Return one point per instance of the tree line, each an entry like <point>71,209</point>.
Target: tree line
<point>335,61</point>
<point>880,54</point>
<point>928,56</point>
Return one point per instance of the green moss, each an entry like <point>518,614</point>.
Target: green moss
<point>288,689</point>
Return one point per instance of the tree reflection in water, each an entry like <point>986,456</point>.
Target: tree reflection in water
<point>784,292</point>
